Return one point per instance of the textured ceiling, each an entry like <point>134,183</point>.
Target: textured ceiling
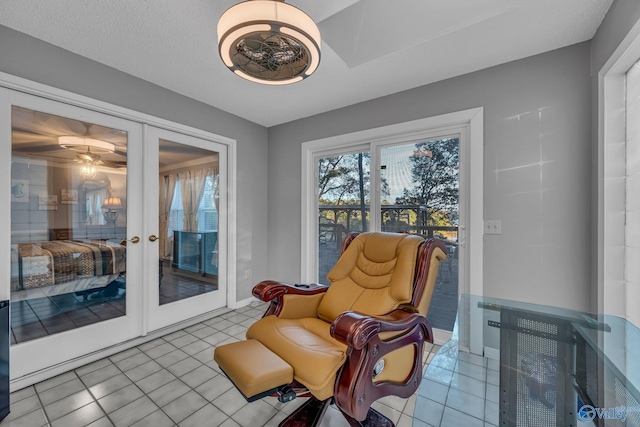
<point>371,48</point>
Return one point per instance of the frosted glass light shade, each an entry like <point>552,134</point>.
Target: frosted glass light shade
<point>269,42</point>
<point>82,144</point>
<point>88,171</point>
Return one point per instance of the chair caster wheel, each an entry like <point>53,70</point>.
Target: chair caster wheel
<point>286,394</point>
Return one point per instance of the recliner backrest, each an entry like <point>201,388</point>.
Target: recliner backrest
<point>432,253</point>
<point>373,276</point>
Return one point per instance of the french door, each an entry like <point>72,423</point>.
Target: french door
<point>116,229</point>
<point>410,187</point>
<point>185,226</point>
<point>418,192</point>
<point>75,278</point>
<point>388,155</point>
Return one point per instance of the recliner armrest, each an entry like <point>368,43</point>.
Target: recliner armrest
<point>355,390</point>
<point>275,292</point>
<point>356,330</point>
<point>268,290</point>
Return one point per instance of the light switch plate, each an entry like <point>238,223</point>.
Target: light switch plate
<point>493,226</point>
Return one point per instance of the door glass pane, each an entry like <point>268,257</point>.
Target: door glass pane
<point>68,224</point>
<point>343,204</point>
<point>189,199</point>
<point>420,195</point>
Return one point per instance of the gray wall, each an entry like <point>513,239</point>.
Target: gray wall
<point>543,253</point>
<point>33,59</point>
<point>537,172</point>
<point>621,17</point>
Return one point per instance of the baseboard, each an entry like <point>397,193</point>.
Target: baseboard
<point>440,336</point>
<point>245,302</point>
<point>492,353</point>
<point>44,374</point>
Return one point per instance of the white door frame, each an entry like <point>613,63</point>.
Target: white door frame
<point>470,125</point>
<point>612,294</point>
<point>11,82</point>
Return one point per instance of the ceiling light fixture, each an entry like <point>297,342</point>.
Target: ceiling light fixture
<point>269,42</point>
<point>86,149</point>
<point>82,144</point>
<point>88,171</point>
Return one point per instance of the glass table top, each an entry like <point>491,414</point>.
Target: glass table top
<point>511,363</point>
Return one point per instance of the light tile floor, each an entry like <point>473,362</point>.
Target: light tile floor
<point>170,381</point>
<point>458,389</point>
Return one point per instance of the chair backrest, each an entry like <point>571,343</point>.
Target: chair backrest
<point>432,253</point>
<point>373,276</point>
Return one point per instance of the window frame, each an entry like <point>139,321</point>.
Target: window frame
<point>469,124</point>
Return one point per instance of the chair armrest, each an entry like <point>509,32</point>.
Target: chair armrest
<point>270,289</point>
<point>355,389</point>
<point>274,292</point>
<point>356,330</point>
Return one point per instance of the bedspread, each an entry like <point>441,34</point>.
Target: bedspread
<point>41,264</point>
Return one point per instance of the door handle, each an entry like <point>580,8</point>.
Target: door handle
<point>153,238</point>
<point>134,239</point>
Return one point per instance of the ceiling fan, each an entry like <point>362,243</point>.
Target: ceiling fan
<point>89,157</point>
<point>57,138</point>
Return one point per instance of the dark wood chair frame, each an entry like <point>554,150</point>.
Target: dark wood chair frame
<point>355,390</point>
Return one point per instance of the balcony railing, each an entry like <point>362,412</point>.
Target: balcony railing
<point>336,231</point>
<point>404,217</point>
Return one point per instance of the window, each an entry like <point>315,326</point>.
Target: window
<point>94,201</point>
<point>343,203</point>
<point>417,193</point>
<point>464,225</point>
<point>207,214</point>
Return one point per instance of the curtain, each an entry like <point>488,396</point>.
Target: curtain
<point>167,191</point>
<point>198,182</point>
<point>184,180</point>
<point>94,201</point>
<point>192,185</point>
<point>215,179</point>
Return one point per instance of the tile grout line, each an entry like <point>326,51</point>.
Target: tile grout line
<point>229,417</point>
<point>43,407</point>
<point>177,378</point>
<point>209,346</point>
<point>106,414</point>
<point>144,393</point>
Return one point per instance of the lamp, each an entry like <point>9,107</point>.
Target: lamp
<point>111,204</point>
<point>269,42</point>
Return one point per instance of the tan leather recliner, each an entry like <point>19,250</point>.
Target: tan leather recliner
<point>355,341</point>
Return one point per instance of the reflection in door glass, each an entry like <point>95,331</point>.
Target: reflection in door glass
<point>68,194</point>
<point>189,200</point>
<point>343,204</point>
<point>420,195</point>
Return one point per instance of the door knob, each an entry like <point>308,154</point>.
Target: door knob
<point>153,238</point>
<point>134,239</point>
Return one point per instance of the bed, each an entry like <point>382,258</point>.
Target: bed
<point>62,266</point>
